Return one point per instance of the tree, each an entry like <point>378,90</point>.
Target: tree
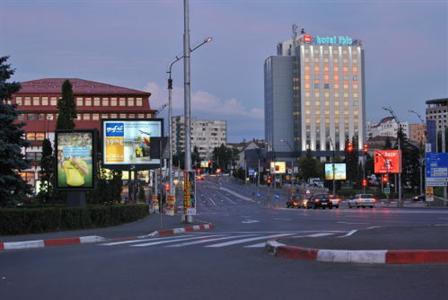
<point>66,108</point>
<point>410,155</point>
<point>46,172</point>
<point>195,158</point>
<point>309,166</point>
<point>12,187</point>
<point>387,143</point>
<point>223,157</point>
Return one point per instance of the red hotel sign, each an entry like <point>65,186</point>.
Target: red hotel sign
<point>307,38</point>
<point>387,161</point>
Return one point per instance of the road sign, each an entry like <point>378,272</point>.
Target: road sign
<point>387,190</point>
<point>436,169</point>
<point>251,172</point>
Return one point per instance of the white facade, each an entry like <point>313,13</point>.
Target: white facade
<point>205,135</point>
<point>437,110</point>
<point>327,99</point>
<point>386,127</point>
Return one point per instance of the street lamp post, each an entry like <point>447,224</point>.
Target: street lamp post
<point>333,167</point>
<point>170,109</point>
<point>392,113</point>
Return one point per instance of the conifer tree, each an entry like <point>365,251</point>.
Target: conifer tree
<point>12,161</point>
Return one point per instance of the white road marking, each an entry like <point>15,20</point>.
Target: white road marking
<point>225,244</point>
<point>319,234</point>
<point>348,234</point>
<point>206,241</point>
<point>211,200</point>
<point>250,221</point>
<point>352,223</point>
<point>170,241</point>
<point>140,240</point>
<point>373,227</point>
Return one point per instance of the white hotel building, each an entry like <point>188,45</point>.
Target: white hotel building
<point>314,95</point>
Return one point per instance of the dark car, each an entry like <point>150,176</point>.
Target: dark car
<point>419,198</point>
<point>319,201</point>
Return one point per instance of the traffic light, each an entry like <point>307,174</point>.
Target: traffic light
<point>167,187</point>
<point>365,148</point>
<point>349,147</point>
<point>385,178</point>
<point>364,182</point>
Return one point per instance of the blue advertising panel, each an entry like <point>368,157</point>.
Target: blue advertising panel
<point>436,169</point>
<point>431,134</point>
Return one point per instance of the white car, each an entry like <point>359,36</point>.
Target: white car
<point>362,200</point>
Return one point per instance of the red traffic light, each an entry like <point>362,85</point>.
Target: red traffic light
<point>167,187</point>
<point>364,182</point>
<point>350,147</point>
<point>366,148</point>
<point>385,178</point>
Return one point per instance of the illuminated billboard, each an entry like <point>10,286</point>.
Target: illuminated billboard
<point>387,161</point>
<point>278,167</point>
<point>75,159</point>
<point>132,142</point>
<point>340,172</point>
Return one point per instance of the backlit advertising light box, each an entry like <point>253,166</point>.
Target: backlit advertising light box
<point>75,159</point>
<point>387,161</point>
<point>132,142</point>
<point>278,167</point>
<point>339,171</point>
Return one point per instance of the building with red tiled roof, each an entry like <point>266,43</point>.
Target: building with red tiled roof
<point>37,100</point>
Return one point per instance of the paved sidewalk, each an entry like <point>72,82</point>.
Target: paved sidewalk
<point>144,226</point>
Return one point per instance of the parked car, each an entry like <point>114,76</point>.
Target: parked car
<point>362,200</point>
<point>335,200</point>
<point>319,201</point>
<point>419,198</point>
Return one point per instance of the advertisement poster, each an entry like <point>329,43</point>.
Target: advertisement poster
<point>339,171</point>
<point>135,142</point>
<point>278,167</point>
<point>387,161</point>
<point>190,193</point>
<point>75,164</point>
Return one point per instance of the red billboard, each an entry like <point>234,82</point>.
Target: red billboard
<point>387,161</point>
<point>307,38</point>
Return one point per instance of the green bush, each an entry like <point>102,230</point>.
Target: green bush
<point>35,220</point>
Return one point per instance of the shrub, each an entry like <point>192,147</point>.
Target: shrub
<point>44,219</point>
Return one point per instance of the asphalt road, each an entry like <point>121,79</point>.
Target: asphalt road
<point>228,262</point>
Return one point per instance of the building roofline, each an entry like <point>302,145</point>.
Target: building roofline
<point>437,101</point>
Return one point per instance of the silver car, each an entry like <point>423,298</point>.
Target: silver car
<point>362,200</point>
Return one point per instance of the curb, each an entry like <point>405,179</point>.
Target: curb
<point>51,242</point>
<point>429,256</point>
<point>180,230</point>
<point>33,244</point>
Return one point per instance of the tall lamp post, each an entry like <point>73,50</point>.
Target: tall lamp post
<point>333,166</point>
<point>170,109</point>
<point>292,150</point>
<point>392,113</point>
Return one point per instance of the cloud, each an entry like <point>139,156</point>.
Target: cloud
<point>203,104</point>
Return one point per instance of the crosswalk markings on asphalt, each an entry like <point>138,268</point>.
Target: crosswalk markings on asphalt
<point>172,241</point>
<point>222,239</point>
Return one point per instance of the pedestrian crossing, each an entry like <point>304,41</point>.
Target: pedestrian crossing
<point>218,240</point>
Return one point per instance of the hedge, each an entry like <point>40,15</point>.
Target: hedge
<point>35,220</point>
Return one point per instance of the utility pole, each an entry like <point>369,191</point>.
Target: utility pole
<point>187,113</point>
<point>392,113</point>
